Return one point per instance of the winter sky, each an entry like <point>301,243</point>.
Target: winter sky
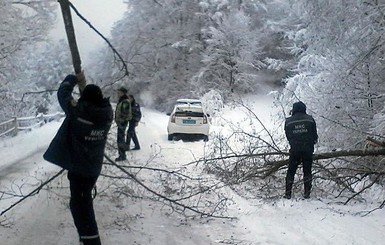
<point>101,13</point>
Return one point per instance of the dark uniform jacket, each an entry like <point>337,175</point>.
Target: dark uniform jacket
<point>79,144</point>
<point>136,113</point>
<point>301,131</point>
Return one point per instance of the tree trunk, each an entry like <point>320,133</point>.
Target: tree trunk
<point>271,167</point>
<point>66,11</point>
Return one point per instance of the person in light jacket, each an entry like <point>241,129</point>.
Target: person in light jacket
<point>79,148</point>
<point>123,114</point>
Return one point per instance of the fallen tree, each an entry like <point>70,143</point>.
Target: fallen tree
<point>274,166</point>
<point>339,173</point>
<point>264,168</point>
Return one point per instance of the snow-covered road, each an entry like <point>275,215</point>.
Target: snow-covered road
<point>45,218</point>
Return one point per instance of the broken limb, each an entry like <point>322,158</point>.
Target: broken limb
<point>271,167</point>
<point>165,198</point>
<point>126,73</point>
<point>35,191</point>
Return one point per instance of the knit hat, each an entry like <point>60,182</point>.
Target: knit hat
<point>299,107</point>
<point>92,93</point>
<point>123,90</point>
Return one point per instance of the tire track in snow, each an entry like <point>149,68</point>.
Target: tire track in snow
<point>24,163</point>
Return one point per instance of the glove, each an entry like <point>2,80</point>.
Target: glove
<point>81,81</point>
<point>73,102</point>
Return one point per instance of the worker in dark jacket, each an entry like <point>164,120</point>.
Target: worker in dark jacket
<point>123,114</point>
<point>79,147</point>
<point>133,123</point>
<point>301,132</point>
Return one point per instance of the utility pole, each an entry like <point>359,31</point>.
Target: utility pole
<point>69,27</point>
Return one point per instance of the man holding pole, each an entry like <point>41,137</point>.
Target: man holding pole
<point>79,148</point>
<point>79,144</point>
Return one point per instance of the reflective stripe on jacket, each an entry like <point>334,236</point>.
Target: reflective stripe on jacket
<point>79,144</point>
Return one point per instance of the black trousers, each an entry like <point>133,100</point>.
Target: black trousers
<point>296,157</point>
<point>131,134</point>
<point>121,139</point>
<point>82,209</point>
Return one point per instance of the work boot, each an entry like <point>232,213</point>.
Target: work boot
<point>91,241</point>
<point>306,194</point>
<point>120,158</point>
<point>307,187</point>
<point>94,241</point>
<point>289,186</point>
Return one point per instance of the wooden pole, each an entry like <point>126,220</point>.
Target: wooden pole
<point>15,126</point>
<point>66,12</point>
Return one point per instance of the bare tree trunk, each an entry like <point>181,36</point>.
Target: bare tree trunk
<point>66,11</point>
<point>274,166</point>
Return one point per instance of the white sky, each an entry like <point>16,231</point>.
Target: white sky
<point>101,13</point>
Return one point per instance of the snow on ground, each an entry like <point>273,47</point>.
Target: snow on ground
<point>45,217</point>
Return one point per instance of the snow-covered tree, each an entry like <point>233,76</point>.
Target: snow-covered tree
<point>23,24</point>
<point>44,68</point>
<point>230,55</point>
<point>340,45</point>
<point>243,45</point>
<point>160,44</point>
<point>177,48</point>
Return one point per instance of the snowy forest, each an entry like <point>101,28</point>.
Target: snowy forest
<point>327,53</point>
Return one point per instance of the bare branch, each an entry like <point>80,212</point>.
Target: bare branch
<point>157,2</point>
<point>35,191</point>
<point>126,72</point>
<point>175,202</point>
<point>264,127</point>
<point>38,92</point>
<point>363,189</point>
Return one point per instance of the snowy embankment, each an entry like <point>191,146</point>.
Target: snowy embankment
<point>45,217</point>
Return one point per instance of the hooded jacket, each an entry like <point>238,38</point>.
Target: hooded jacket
<point>79,143</point>
<point>301,129</point>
